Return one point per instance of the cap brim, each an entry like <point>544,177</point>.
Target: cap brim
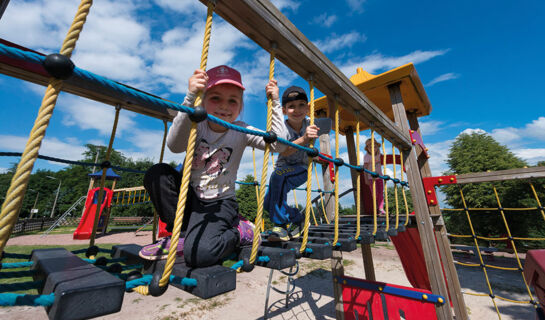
<point>226,81</point>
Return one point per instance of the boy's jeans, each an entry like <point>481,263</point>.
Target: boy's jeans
<point>283,180</point>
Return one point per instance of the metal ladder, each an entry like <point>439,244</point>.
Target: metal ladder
<point>64,215</point>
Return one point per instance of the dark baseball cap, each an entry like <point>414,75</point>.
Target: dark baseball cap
<point>293,93</point>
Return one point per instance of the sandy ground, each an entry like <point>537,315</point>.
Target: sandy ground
<point>312,298</point>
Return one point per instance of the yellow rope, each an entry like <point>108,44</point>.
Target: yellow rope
<point>259,216</point>
<point>309,174</point>
<point>358,182</point>
<point>512,242</point>
<point>143,290</point>
<point>19,182</point>
<point>321,195</point>
<point>403,191</point>
<point>186,174</point>
<point>313,216</point>
<point>374,195</point>
<point>501,298</point>
<point>537,200</point>
<point>395,184</point>
<point>336,235</point>
<point>384,189</point>
<point>479,253</point>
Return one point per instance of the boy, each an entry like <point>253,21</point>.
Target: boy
<point>291,167</point>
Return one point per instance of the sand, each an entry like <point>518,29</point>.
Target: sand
<point>312,298</point>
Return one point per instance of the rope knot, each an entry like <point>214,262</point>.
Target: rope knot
<point>198,115</point>
<point>59,66</point>
<point>270,137</point>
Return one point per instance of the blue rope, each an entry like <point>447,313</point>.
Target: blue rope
<point>83,74</point>
<point>187,282</point>
<point>237,265</point>
<point>241,262</point>
<point>16,274</point>
<point>16,255</point>
<point>17,299</point>
<point>144,281</point>
<point>308,250</point>
<point>15,265</point>
<point>19,286</point>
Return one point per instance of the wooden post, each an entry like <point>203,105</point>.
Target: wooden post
<point>366,253</point>
<point>423,219</point>
<point>453,282</point>
<point>337,270</point>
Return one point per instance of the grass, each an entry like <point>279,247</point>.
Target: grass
<point>28,250</point>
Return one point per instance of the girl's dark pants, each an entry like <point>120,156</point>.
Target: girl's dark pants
<point>209,227</point>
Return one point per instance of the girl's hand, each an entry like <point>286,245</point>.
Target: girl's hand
<point>311,133</point>
<point>272,89</point>
<point>197,82</point>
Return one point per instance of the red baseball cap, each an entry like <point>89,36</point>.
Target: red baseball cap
<point>223,74</point>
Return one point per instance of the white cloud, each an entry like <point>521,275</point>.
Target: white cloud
<point>325,19</point>
<point>286,4</point>
<point>472,131</point>
<point>536,129</point>
<point>506,136</point>
<point>443,77</point>
<point>193,7</point>
<point>53,147</point>
<point>356,5</point>
<point>376,61</point>
<point>531,155</point>
<point>438,153</point>
<point>431,127</point>
<point>339,42</point>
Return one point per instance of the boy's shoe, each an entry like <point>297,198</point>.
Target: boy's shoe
<point>296,230</point>
<point>279,233</point>
<point>159,249</point>
<point>246,230</point>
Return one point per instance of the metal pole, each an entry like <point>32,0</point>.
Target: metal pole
<point>55,202</point>
<point>34,206</point>
<point>3,6</point>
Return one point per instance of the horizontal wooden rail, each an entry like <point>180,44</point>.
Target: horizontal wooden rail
<point>501,175</point>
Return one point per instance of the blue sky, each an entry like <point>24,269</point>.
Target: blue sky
<point>480,61</point>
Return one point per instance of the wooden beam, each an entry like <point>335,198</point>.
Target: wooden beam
<point>423,219</point>
<point>262,22</point>
<point>443,242</point>
<point>502,175</point>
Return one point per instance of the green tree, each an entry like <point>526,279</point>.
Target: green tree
<point>400,201</point>
<point>479,152</point>
<point>247,202</point>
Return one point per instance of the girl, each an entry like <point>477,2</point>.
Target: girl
<point>368,179</point>
<point>212,226</point>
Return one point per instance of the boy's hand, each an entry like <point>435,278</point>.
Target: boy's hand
<point>311,133</point>
<point>197,82</point>
<point>272,89</point>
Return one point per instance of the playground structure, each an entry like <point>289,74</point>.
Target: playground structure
<point>295,51</point>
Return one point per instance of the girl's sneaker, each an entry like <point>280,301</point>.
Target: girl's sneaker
<point>246,230</point>
<point>159,249</point>
<point>279,233</point>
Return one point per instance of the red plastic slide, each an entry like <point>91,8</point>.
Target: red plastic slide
<point>85,227</point>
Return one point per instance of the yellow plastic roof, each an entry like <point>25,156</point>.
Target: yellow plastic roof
<point>375,87</point>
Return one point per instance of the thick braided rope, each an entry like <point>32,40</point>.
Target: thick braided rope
<point>336,232</point>
<point>358,182</point>
<point>491,292</point>
<point>309,175</point>
<point>186,175</point>
<point>261,199</point>
<point>101,191</point>
<point>403,191</point>
<point>14,197</point>
<point>374,195</point>
<point>19,299</point>
<point>395,185</point>
<point>385,189</point>
<point>321,194</point>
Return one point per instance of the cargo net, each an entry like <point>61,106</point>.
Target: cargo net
<point>484,228</point>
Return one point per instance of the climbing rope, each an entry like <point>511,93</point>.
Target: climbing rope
<point>374,193</point>
<point>385,187</point>
<point>14,197</point>
<point>358,181</point>
<point>186,175</point>
<point>321,195</point>
<point>259,216</point>
<point>336,228</point>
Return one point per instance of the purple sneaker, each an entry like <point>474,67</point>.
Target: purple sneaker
<point>246,230</point>
<point>159,249</point>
